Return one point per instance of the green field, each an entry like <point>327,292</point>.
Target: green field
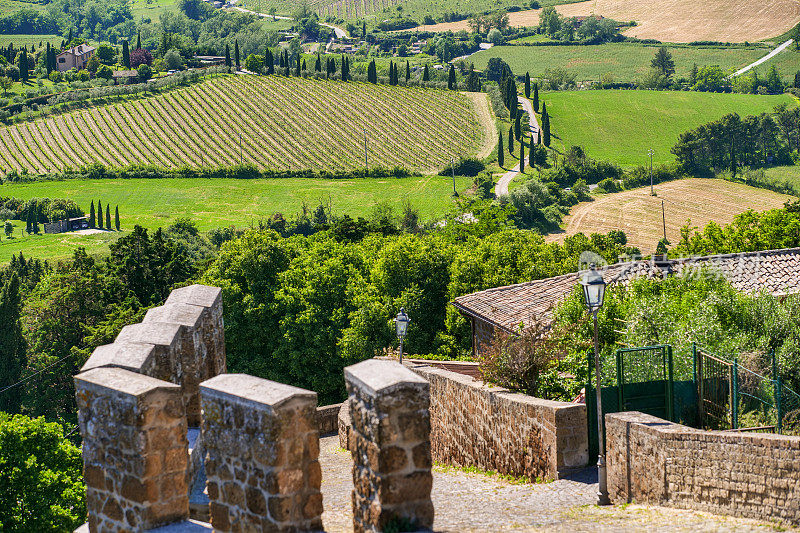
<point>151,9</point>
<point>218,203</point>
<point>20,40</point>
<point>621,126</point>
<point>272,122</point>
<point>627,62</point>
<point>790,174</point>
<point>12,6</point>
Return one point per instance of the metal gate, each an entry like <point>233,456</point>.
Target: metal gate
<point>645,380</point>
<point>716,385</point>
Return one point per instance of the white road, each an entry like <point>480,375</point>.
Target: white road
<point>339,32</point>
<point>767,57</point>
<point>501,187</point>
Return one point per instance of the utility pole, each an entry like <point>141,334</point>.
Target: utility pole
<point>650,153</point>
<point>366,157</point>
<point>663,220</point>
<point>453,169</point>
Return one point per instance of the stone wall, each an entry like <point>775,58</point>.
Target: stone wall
<point>327,418</point>
<point>494,429</point>
<point>261,455</point>
<point>134,450</point>
<point>390,445</point>
<point>752,475</point>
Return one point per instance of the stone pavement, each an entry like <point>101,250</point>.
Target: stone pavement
<point>476,502</point>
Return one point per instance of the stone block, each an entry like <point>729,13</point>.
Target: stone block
<point>261,446</point>
<point>128,486</point>
<point>213,325</point>
<point>135,357</point>
<point>389,439</point>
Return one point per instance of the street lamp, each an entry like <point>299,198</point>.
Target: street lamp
<point>594,288</point>
<point>401,324</point>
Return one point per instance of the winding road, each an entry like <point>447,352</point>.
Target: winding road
<point>502,185</point>
<point>339,32</point>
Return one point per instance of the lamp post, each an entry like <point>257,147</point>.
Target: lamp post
<point>401,325</point>
<point>594,288</point>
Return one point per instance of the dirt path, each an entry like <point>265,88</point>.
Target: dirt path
<point>484,115</point>
<point>339,32</point>
<point>767,57</point>
<point>502,185</point>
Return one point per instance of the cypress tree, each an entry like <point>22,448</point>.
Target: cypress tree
<point>236,53</point>
<point>99,215</point>
<point>372,73</point>
<point>500,151</point>
<point>108,216</point>
<point>531,155</point>
<point>269,61</point>
<point>408,71</point>
<point>518,127</point>
<point>451,78</point>
<point>364,29</point>
<point>297,68</point>
<point>318,64</point>
<point>527,85</point>
<point>536,97</point>
<point>69,36</point>
<point>426,73</point>
<point>29,221</point>
<point>23,66</point>
<point>521,156</point>
<point>47,59</point>
<point>545,125</point>
<point>345,68</point>
<point>511,140</point>
<point>116,217</point>
<point>304,65</point>
<point>126,54</point>
<point>12,344</point>
<point>36,219</point>
<point>228,57</point>
<point>139,39</point>
<point>286,61</point>
<point>91,216</point>
<point>797,79</point>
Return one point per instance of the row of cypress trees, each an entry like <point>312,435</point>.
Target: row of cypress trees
<point>96,218</point>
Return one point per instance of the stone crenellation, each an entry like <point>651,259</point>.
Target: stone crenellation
<point>474,424</point>
<point>261,455</point>
<point>134,450</point>
<point>750,475</point>
<point>390,446</point>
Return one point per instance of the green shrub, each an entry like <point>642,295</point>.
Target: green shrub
<point>608,185</point>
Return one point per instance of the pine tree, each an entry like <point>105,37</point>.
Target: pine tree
<point>236,53</point>
<point>139,40</point>
<point>518,126</point>
<point>228,57</point>
<point>99,215</point>
<point>527,85</point>
<point>511,140</point>
<point>126,54</point>
<point>426,73</point>
<point>108,216</point>
<point>92,222</point>
<point>12,344</point>
<point>408,71</point>
<point>536,97</point>
<point>500,151</point>
<point>451,78</point>
<point>116,217</point>
<point>521,156</point>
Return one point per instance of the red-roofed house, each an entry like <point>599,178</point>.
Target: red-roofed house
<point>75,57</point>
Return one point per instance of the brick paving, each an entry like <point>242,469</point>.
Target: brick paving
<point>474,502</point>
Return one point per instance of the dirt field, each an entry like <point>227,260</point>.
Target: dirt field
<point>639,215</point>
<point>677,21</point>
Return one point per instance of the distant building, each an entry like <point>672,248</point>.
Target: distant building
<point>69,224</point>
<point>75,57</point>
<point>124,76</point>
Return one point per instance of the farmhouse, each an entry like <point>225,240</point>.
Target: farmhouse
<point>75,57</point>
<point>70,224</point>
<point>506,308</point>
<point>124,76</point>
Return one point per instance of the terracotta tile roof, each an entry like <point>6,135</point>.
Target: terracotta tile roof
<point>776,271</point>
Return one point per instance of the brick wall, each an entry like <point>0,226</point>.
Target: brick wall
<point>492,428</point>
<point>751,475</point>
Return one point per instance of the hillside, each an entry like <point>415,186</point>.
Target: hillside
<point>622,126</point>
<point>272,122</point>
<point>639,215</point>
<point>675,21</point>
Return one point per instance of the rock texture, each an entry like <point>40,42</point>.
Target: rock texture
<point>134,450</point>
<point>751,475</point>
<point>261,447</point>
<point>390,445</point>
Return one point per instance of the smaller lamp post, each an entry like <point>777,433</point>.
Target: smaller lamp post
<point>401,325</point>
<point>594,288</point>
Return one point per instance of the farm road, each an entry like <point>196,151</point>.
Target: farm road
<point>767,57</point>
<point>339,32</point>
<point>502,185</point>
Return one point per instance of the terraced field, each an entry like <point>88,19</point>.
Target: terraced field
<point>272,122</point>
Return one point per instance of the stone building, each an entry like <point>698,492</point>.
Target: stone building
<point>75,57</point>
<point>506,308</point>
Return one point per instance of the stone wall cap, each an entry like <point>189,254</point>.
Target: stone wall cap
<point>256,390</point>
<point>202,295</point>
<point>176,313</point>
<point>158,333</point>
<point>376,376</point>
<point>124,381</point>
<point>129,355</point>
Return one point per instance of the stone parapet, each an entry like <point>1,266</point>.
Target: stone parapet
<point>390,445</point>
<point>749,475</point>
<point>212,324</point>
<point>491,428</point>
<point>261,447</point>
<point>134,450</point>
<point>327,418</point>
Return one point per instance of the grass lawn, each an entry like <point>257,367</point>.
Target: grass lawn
<point>621,126</point>
<point>626,62</point>
<point>218,203</point>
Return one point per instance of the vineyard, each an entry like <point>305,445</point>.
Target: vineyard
<point>272,122</point>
